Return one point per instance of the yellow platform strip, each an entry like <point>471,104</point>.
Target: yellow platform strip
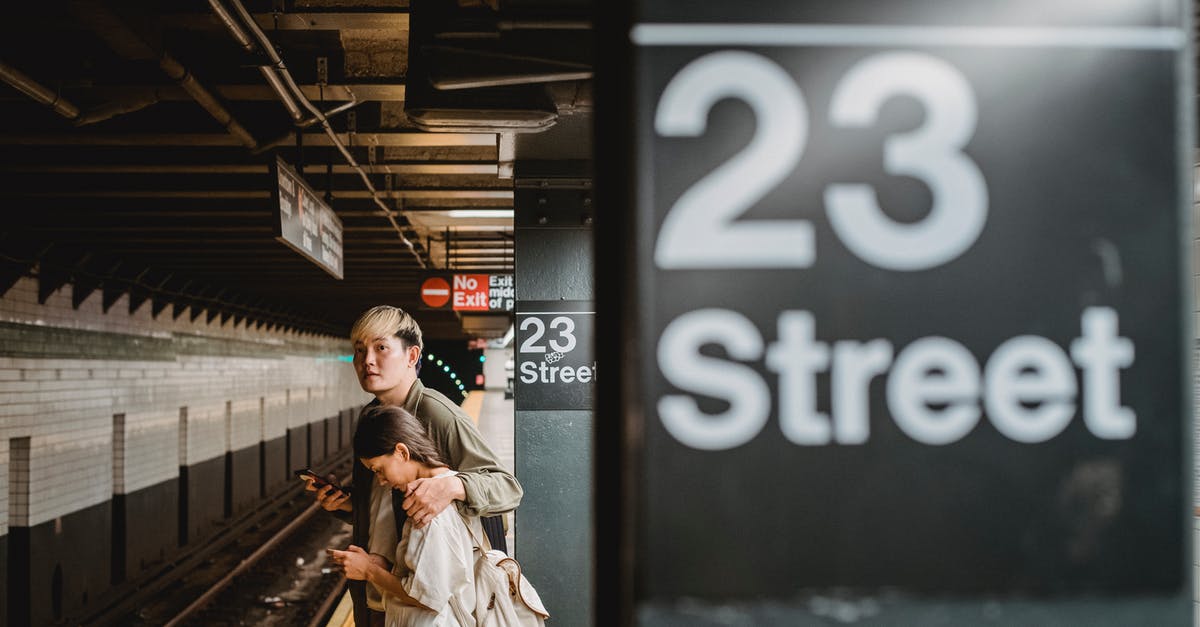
<point>343,614</point>
<point>473,404</point>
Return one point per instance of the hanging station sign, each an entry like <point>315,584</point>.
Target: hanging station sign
<point>914,303</point>
<point>303,221</point>
<point>468,292</point>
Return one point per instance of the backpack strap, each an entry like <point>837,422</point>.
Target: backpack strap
<point>474,541</point>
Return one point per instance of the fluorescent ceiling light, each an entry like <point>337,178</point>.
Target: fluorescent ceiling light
<point>480,213</point>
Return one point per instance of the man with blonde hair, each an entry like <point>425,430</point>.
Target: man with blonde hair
<point>387,357</point>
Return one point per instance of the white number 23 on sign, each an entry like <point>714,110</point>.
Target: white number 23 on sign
<point>562,326</point>
<point>701,230</point>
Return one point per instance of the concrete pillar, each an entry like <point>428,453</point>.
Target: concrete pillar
<point>553,428</point>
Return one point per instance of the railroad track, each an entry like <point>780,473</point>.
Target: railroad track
<point>267,568</point>
<point>271,586</point>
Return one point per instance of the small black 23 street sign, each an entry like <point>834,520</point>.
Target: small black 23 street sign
<point>917,315</point>
<point>556,364</point>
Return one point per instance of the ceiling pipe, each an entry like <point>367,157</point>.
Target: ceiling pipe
<point>247,44</point>
<point>297,95</point>
<point>44,95</point>
<point>37,91</point>
<point>140,100</point>
<point>272,77</point>
<point>120,36</point>
<point>205,98</point>
<point>288,138</point>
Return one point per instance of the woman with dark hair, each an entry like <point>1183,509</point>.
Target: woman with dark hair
<point>432,582</point>
<point>388,346</point>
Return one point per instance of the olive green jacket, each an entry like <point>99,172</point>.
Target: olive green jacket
<point>490,488</point>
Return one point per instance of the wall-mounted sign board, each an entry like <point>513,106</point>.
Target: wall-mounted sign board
<point>556,364</point>
<point>468,292</point>
<point>303,221</point>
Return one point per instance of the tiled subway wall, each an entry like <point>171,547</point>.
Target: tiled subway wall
<point>189,391</point>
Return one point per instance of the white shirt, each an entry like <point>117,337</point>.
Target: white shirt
<point>436,566</point>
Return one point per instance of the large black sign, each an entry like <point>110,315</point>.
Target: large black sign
<point>916,316</point>
<point>556,365</point>
<point>304,222</point>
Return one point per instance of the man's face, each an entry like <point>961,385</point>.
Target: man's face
<point>384,363</point>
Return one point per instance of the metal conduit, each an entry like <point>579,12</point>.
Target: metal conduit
<point>37,91</point>
<point>205,98</point>
<point>44,95</point>
<point>248,45</point>
<point>297,96</point>
<point>118,34</point>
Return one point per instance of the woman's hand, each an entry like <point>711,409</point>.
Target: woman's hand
<point>426,498</point>
<point>380,561</point>
<point>330,497</point>
<point>355,562</point>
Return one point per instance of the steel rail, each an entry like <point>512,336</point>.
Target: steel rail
<point>147,586</point>
<point>246,564</point>
<point>243,566</point>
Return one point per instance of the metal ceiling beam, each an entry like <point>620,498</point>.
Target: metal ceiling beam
<point>365,258</point>
<point>207,244</point>
<point>248,193</point>
<point>387,89</point>
<point>161,228</point>
<point>369,20</point>
<point>479,203</point>
<point>393,91</point>
<point>177,257</point>
<point>397,139</point>
<point>248,168</point>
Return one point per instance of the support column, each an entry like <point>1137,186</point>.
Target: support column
<point>553,383</point>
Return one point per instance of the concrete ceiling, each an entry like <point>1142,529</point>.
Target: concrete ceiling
<point>137,138</point>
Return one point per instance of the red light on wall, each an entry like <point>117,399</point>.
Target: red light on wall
<point>479,379</point>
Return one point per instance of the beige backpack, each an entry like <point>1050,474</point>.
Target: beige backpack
<point>503,596</point>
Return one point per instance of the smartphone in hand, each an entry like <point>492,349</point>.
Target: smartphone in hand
<point>318,480</point>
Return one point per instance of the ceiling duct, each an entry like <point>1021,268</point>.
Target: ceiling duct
<point>468,74</point>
